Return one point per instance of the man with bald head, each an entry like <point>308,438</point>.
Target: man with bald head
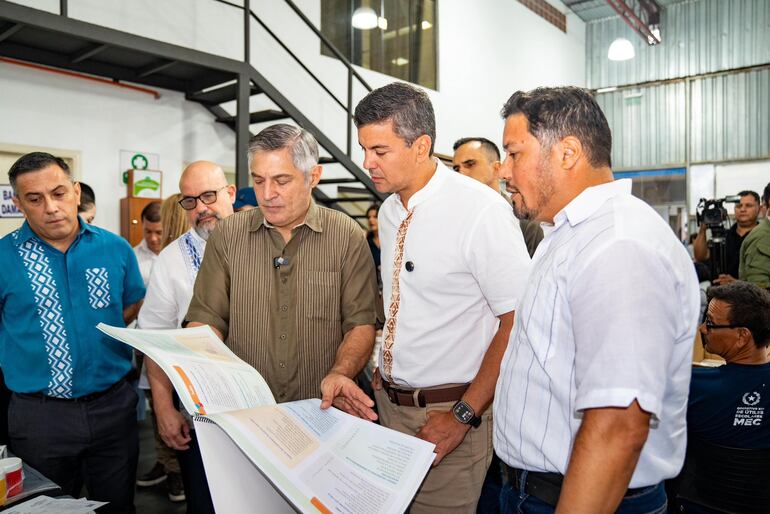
<point>207,198</point>
<point>479,158</point>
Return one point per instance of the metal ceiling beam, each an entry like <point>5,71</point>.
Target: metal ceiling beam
<point>88,53</point>
<point>13,29</point>
<point>648,9</point>
<point>16,13</point>
<point>155,68</point>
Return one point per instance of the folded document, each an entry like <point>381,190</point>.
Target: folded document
<point>279,457</point>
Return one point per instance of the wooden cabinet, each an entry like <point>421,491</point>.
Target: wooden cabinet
<point>131,218</point>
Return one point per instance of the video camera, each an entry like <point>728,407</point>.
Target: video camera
<point>713,214</point>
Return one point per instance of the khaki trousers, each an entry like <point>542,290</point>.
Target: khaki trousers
<point>455,484</point>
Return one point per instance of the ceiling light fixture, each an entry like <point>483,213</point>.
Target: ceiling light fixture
<point>364,18</point>
<point>621,50</point>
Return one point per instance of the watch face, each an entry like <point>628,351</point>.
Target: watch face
<point>463,412</point>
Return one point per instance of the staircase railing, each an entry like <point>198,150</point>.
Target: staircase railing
<point>351,71</point>
<point>346,104</point>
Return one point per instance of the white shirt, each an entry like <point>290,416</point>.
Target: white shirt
<point>609,316</point>
<point>470,265</point>
<point>146,258</point>
<point>171,283</point>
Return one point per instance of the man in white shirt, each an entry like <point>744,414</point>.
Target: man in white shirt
<point>207,198</point>
<point>147,251</point>
<point>479,159</point>
<point>590,404</point>
<point>453,266</point>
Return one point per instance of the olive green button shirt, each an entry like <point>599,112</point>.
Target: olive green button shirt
<point>288,321</point>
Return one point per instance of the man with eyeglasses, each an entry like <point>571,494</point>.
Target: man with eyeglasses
<point>207,198</point>
<point>290,286</point>
<point>730,405</point>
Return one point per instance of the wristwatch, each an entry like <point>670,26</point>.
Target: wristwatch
<point>465,414</point>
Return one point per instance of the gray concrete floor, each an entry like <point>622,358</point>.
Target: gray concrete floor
<point>152,500</point>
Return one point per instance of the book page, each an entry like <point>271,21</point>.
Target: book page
<point>235,483</point>
<point>207,375</point>
<point>328,461</point>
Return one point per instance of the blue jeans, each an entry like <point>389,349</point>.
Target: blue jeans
<point>513,501</point>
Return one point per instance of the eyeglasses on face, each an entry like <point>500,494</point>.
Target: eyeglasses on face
<point>710,325</point>
<point>188,203</point>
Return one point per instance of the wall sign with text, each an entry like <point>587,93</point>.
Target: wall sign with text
<point>7,208</point>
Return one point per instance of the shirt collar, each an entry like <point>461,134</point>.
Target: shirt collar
<point>194,234</point>
<point>143,248</point>
<point>312,219</point>
<point>438,178</point>
<point>26,233</point>
<point>590,200</point>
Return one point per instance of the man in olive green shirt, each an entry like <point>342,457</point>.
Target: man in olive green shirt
<point>290,286</point>
<point>755,250</point>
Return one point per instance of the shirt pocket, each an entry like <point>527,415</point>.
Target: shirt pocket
<point>98,282</point>
<point>319,295</point>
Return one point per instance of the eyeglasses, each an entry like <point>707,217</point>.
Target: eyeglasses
<point>188,203</point>
<point>710,325</point>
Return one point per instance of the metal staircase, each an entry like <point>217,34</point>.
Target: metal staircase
<point>57,41</point>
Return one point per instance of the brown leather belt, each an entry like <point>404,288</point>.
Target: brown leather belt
<point>422,397</point>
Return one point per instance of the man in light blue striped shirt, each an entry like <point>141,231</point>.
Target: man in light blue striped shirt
<point>591,399</point>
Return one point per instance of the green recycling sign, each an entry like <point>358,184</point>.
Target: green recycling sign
<point>139,162</point>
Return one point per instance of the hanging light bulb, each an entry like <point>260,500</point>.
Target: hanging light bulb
<point>364,18</point>
<point>621,50</point>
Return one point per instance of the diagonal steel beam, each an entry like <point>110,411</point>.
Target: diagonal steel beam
<point>632,20</point>
<point>154,68</point>
<point>88,53</point>
<point>13,29</point>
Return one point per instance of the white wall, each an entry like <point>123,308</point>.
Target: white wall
<point>487,49</point>
<point>43,109</point>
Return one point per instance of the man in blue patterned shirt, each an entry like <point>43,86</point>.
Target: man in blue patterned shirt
<point>72,414</point>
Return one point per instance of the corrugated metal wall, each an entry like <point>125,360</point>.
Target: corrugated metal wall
<point>729,121</point>
<point>699,36</point>
<point>729,116</point>
<point>648,126</point>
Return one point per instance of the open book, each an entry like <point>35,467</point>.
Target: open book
<point>260,456</point>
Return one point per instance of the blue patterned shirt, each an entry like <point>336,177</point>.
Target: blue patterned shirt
<point>50,303</point>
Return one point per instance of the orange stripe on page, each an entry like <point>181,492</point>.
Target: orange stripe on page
<point>320,506</point>
<point>191,390</point>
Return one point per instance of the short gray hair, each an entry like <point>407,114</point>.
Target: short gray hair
<point>301,144</point>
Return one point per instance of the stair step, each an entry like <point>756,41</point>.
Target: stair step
<point>219,95</point>
<point>257,117</point>
<point>327,160</point>
<point>338,181</point>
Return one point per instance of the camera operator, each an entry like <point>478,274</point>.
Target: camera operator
<point>746,213</point>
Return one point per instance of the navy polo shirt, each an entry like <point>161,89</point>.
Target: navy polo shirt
<point>50,304</point>
<point>730,405</point>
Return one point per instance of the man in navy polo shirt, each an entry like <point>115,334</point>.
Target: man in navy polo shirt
<point>730,405</point>
<point>72,414</point>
